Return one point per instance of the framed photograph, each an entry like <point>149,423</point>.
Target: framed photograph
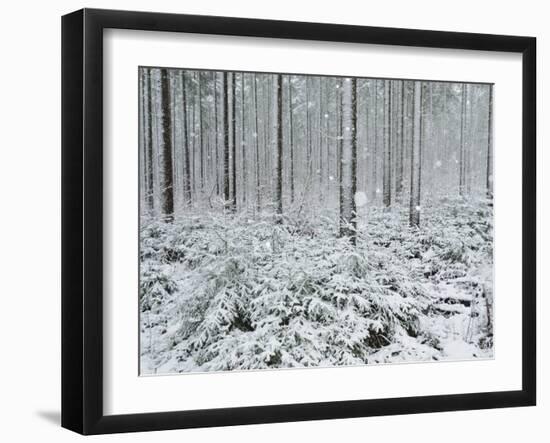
<point>270,221</point>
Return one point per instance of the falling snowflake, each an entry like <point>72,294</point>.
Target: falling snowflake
<point>378,190</point>
<point>326,115</point>
<point>331,178</point>
<point>255,135</point>
<point>348,128</point>
<point>438,164</point>
<point>418,208</point>
<point>360,199</point>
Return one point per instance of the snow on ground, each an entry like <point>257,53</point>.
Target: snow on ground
<point>223,291</point>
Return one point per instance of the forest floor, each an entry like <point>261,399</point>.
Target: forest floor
<point>223,291</point>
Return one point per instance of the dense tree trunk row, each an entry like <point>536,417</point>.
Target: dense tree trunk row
<point>308,143</point>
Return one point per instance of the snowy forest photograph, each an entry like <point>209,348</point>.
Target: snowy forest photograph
<point>299,221</point>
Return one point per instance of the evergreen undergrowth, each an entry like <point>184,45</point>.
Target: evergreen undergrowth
<point>222,291</point>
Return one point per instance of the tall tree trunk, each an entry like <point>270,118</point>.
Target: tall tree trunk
<point>470,143</point>
<point>367,136</point>
<point>167,185</point>
<point>340,138</point>
<point>327,148</point>
<point>354,130</point>
<point>143,185</point>
<point>173,95</point>
<point>279,148</point>
<point>399,178</point>
<point>375,156</point>
<point>489,178</point>
<point>267,135</point>
<point>445,157</point>
<point>428,136</point>
<point>257,139</point>
<point>226,184</point>
<point>462,160</point>
<point>233,204</point>
<point>291,141</point>
<point>348,180</point>
<point>386,185</point>
<point>216,143</point>
<point>320,141</point>
<point>187,162</point>
<point>149,143</point>
<point>243,143</point>
<point>308,131</point>
<point>416,157</point>
<point>201,135</point>
<point>194,145</point>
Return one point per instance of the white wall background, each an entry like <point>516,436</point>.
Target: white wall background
<point>30,219</point>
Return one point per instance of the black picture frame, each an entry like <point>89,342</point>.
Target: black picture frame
<point>82,218</point>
